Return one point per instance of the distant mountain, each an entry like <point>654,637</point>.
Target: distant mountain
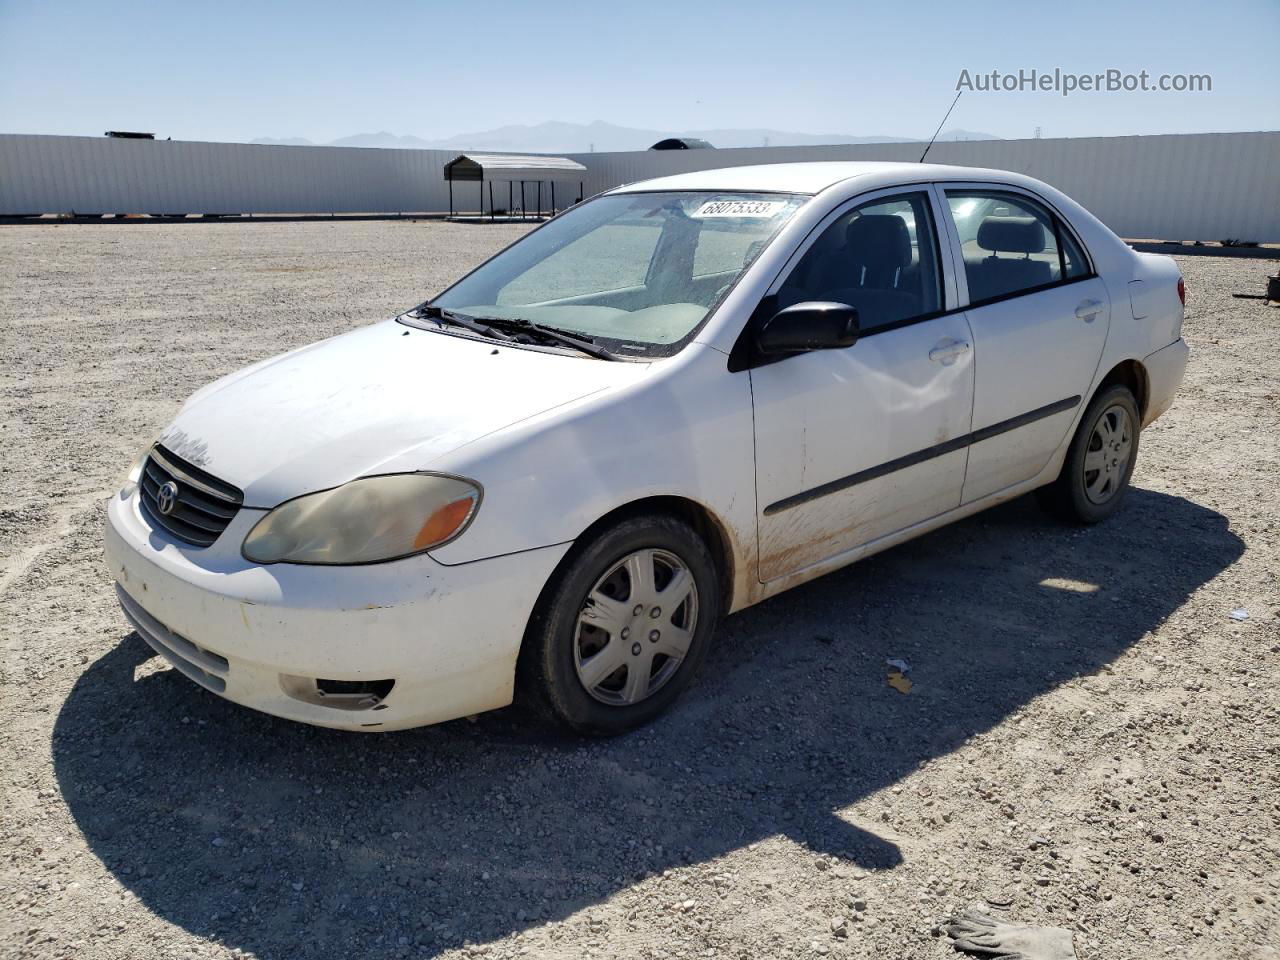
<point>382,139</point>
<point>556,136</point>
<point>286,142</point>
<point>948,135</point>
<point>777,138</point>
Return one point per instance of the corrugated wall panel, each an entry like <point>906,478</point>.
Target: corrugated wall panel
<point>1186,186</point>
<point>1180,186</point>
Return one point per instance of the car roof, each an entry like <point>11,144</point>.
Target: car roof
<point>809,177</point>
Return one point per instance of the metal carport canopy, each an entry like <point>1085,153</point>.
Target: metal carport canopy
<point>500,166</point>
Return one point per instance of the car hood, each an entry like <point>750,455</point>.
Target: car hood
<point>382,399</point>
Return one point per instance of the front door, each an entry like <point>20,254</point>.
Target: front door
<point>857,443</point>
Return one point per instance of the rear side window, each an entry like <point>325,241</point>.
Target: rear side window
<point>1011,245</point>
<point>1074,264</point>
<point>880,258</point>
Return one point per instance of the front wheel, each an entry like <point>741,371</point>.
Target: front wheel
<point>622,629</point>
<point>1099,462</point>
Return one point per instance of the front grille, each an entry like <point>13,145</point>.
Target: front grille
<point>203,506</point>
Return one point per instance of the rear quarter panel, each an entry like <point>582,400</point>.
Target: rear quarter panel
<point>1154,298</point>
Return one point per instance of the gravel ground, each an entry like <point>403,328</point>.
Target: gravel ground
<point>1091,739</point>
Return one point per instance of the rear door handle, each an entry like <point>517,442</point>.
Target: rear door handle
<point>946,352</point>
<point>1088,309</point>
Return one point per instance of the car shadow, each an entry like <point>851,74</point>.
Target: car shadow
<point>291,841</point>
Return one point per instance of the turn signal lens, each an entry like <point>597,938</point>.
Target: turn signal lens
<point>440,526</point>
<point>365,521</point>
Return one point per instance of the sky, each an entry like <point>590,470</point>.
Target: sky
<point>235,71</point>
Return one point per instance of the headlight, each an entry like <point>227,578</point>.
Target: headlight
<point>366,520</point>
<point>129,482</point>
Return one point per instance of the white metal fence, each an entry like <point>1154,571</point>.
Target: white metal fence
<point>93,175</point>
<point>1209,186</point>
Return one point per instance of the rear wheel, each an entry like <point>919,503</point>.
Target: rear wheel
<point>1100,461</point>
<point>622,630</point>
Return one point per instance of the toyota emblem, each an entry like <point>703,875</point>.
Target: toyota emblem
<point>167,498</point>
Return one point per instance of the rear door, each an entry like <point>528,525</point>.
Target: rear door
<point>1039,316</point>
<point>857,443</point>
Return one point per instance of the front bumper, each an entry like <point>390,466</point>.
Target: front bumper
<point>261,635</point>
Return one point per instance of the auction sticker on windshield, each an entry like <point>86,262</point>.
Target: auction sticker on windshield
<point>739,208</point>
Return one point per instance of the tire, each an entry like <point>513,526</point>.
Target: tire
<point>600,603</point>
<point>1085,492</point>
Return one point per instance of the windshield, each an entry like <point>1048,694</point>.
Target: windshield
<point>637,273</point>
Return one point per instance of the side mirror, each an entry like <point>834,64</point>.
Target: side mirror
<point>812,325</point>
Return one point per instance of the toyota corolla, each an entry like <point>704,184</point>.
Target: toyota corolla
<point>660,407</point>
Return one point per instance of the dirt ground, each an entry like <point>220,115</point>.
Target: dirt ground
<point>1091,741</point>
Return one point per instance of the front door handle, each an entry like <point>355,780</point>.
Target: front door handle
<point>1088,309</point>
<point>946,352</point>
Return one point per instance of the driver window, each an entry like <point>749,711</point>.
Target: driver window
<point>880,258</point>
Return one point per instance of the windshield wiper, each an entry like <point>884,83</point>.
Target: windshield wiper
<point>566,338</point>
<point>501,328</point>
<point>474,324</point>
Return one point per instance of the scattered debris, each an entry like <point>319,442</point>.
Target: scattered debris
<point>1239,613</point>
<point>976,932</point>
<point>898,674</point>
<point>1272,296</point>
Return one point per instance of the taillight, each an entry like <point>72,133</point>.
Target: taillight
<point>1182,291</point>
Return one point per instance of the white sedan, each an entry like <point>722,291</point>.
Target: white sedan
<point>664,405</point>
